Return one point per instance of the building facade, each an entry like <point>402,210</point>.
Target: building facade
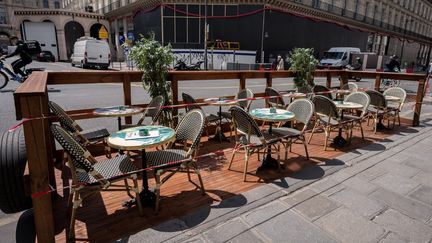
<point>49,22</point>
<point>386,27</point>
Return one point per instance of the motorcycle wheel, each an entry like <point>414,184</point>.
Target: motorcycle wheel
<point>4,79</point>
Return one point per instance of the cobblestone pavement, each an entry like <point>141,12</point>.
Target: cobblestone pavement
<point>379,193</point>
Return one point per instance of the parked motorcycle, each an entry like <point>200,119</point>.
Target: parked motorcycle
<point>182,66</point>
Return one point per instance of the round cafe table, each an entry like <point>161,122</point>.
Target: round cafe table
<point>340,141</point>
<point>220,102</point>
<point>118,111</point>
<point>158,135</point>
<point>264,114</point>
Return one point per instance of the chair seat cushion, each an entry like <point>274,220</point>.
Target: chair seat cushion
<point>256,142</point>
<point>163,157</point>
<point>95,134</point>
<point>110,169</point>
<point>286,132</point>
<point>333,122</point>
<point>352,117</point>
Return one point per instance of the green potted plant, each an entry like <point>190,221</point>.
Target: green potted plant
<point>154,60</point>
<point>303,63</point>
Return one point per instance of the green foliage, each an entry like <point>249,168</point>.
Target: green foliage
<point>303,63</point>
<point>153,59</point>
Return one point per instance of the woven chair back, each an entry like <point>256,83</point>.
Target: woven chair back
<point>244,122</point>
<point>245,94</point>
<point>325,106</point>
<point>64,118</point>
<point>275,101</point>
<point>350,86</point>
<point>376,99</point>
<point>397,92</point>
<point>155,110</point>
<point>322,88</point>
<point>303,110</point>
<point>191,127</point>
<point>192,104</point>
<point>360,98</point>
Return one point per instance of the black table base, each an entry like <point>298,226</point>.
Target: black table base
<point>219,136</point>
<point>268,163</point>
<point>381,126</point>
<point>339,141</point>
<point>147,197</point>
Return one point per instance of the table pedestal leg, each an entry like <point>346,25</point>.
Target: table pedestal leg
<point>219,135</point>
<point>380,125</point>
<point>119,123</point>
<point>147,197</point>
<point>268,162</point>
<point>339,141</point>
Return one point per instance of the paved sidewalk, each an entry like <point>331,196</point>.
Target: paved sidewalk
<point>379,193</point>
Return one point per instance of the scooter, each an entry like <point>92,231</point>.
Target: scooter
<point>182,66</point>
<point>354,68</point>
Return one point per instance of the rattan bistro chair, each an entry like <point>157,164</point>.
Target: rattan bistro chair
<point>189,129</point>
<point>90,176</point>
<point>321,88</point>
<point>303,110</point>
<point>86,137</point>
<point>276,101</point>
<point>357,120</point>
<point>245,104</point>
<point>193,104</point>
<point>252,139</point>
<point>396,106</point>
<point>350,86</point>
<point>378,107</point>
<point>327,118</point>
<point>152,111</point>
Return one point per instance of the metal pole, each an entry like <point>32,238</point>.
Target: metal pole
<point>205,36</point>
<point>262,35</point>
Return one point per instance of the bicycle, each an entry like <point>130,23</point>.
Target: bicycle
<point>7,74</point>
<point>388,83</point>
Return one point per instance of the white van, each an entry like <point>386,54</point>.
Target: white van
<point>338,57</point>
<point>89,52</point>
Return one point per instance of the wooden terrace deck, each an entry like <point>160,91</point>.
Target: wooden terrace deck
<point>103,219</point>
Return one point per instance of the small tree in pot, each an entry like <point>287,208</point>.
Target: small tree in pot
<point>303,63</point>
<point>154,60</point>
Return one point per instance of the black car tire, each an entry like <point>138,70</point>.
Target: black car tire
<point>13,160</point>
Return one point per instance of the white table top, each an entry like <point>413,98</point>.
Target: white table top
<point>264,114</point>
<point>117,140</point>
<point>220,102</point>
<point>347,105</point>
<point>118,111</point>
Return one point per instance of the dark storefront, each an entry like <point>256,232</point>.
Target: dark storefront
<point>183,27</point>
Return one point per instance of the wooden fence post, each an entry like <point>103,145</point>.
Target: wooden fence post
<point>127,95</point>
<point>39,159</point>
<point>419,101</point>
<point>328,80</point>
<point>377,81</point>
<point>242,82</point>
<point>343,79</point>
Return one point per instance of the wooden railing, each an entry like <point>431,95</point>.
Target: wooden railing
<point>31,102</point>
